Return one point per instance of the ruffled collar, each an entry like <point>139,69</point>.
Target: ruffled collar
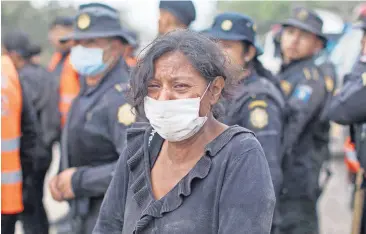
<point>140,170</point>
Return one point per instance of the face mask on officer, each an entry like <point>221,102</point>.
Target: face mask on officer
<point>93,57</point>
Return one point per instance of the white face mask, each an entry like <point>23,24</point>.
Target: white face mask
<point>175,120</point>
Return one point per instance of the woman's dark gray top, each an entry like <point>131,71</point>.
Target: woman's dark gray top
<point>229,190</point>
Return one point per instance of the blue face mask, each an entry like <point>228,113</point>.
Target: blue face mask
<point>87,61</point>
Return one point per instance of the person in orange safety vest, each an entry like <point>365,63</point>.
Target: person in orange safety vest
<point>18,142</point>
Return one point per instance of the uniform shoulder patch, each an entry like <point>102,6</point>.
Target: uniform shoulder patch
<point>125,115</point>
<point>286,87</point>
<point>307,73</point>
<point>258,103</point>
<point>329,83</point>
<point>303,92</point>
<point>259,117</point>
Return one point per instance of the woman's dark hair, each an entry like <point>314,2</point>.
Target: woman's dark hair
<point>203,54</point>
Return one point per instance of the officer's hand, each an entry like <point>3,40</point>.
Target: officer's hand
<point>64,183</point>
<point>55,192</point>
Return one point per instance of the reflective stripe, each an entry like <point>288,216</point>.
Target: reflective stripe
<point>9,145</point>
<point>11,177</point>
<point>67,98</point>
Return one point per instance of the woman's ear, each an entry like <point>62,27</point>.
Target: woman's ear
<point>216,88</point>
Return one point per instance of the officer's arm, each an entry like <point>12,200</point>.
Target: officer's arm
<point>94,181</point>
<point>30,136</point>
<point>349,105</point>
<point>266,121</point>
<point>306,100</point>
<point>50,114</point>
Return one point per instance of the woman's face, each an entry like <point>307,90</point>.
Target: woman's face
<point>176,78</point>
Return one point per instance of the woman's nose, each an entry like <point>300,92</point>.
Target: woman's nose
<point>164,94</point>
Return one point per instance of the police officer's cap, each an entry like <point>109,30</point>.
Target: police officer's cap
<point>234,27</point>
<point>34,50</point>
<point>183,10</point>
<point>66,21</point>
<point>96,20</point>
<point>132,38</point>
<point>361,24</point>
<point>306,20</point>
<point>18,41</point>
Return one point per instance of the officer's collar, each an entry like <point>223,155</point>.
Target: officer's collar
<point>296,62</point>
<point>251,77</point>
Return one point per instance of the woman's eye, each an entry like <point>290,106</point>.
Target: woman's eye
<point>181,86</point>
<point>153,86</point>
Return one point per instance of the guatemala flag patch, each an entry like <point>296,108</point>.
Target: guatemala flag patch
<point>303,93</point>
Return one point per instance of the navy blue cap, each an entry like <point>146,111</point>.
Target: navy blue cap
<point>183,10</point>
<point>306,20</point>
<point>66,21</point>
<point>34,50</point>
<point>18,41</point>
<point>132,38</point>
<point>234,27</point>
<point>96,20</point>
<point>361,24</point>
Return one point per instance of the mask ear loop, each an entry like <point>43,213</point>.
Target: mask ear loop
<point>204,93</point>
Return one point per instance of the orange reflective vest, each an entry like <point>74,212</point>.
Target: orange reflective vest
<point>69,85</point>
<point>350,158</point>
<point>11,109</point>
<point>131,61</point>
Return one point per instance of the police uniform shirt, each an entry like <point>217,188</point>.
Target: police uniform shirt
<point>259,107</point>
<point>305,96</point>
<point>223,179</point>
<point>95,129</point>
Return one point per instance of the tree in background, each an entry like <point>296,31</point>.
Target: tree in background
<point>22,15</point>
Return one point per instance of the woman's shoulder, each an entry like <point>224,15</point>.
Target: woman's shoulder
<point>235,139</point>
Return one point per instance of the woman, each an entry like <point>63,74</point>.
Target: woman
<point>187,172</point>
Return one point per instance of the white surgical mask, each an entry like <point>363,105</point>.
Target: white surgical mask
<point>88,61</point>
<point>175,120</point>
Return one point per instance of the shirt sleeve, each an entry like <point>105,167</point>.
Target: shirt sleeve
<point>94,181</point>
<point>111,213</point>
<point>247,198</point>
<point>305,102</point>
<point>30,136</point>
<point>349,105</point>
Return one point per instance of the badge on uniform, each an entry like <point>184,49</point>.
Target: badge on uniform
<point>329,84</point>
<point>125,115</point>
<point>286,87</point>
<point>303,92</point>
<point>364,79</point>
<point>258,118</point>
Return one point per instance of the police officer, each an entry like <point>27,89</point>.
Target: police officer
<point>59,28</point>
<point>175,15</point>
<point>19,142</point>
<point>41,88</point>
<point>349,106</point>
<point>98,118</point>
<point>259,104</point>
<point>305,95</point>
